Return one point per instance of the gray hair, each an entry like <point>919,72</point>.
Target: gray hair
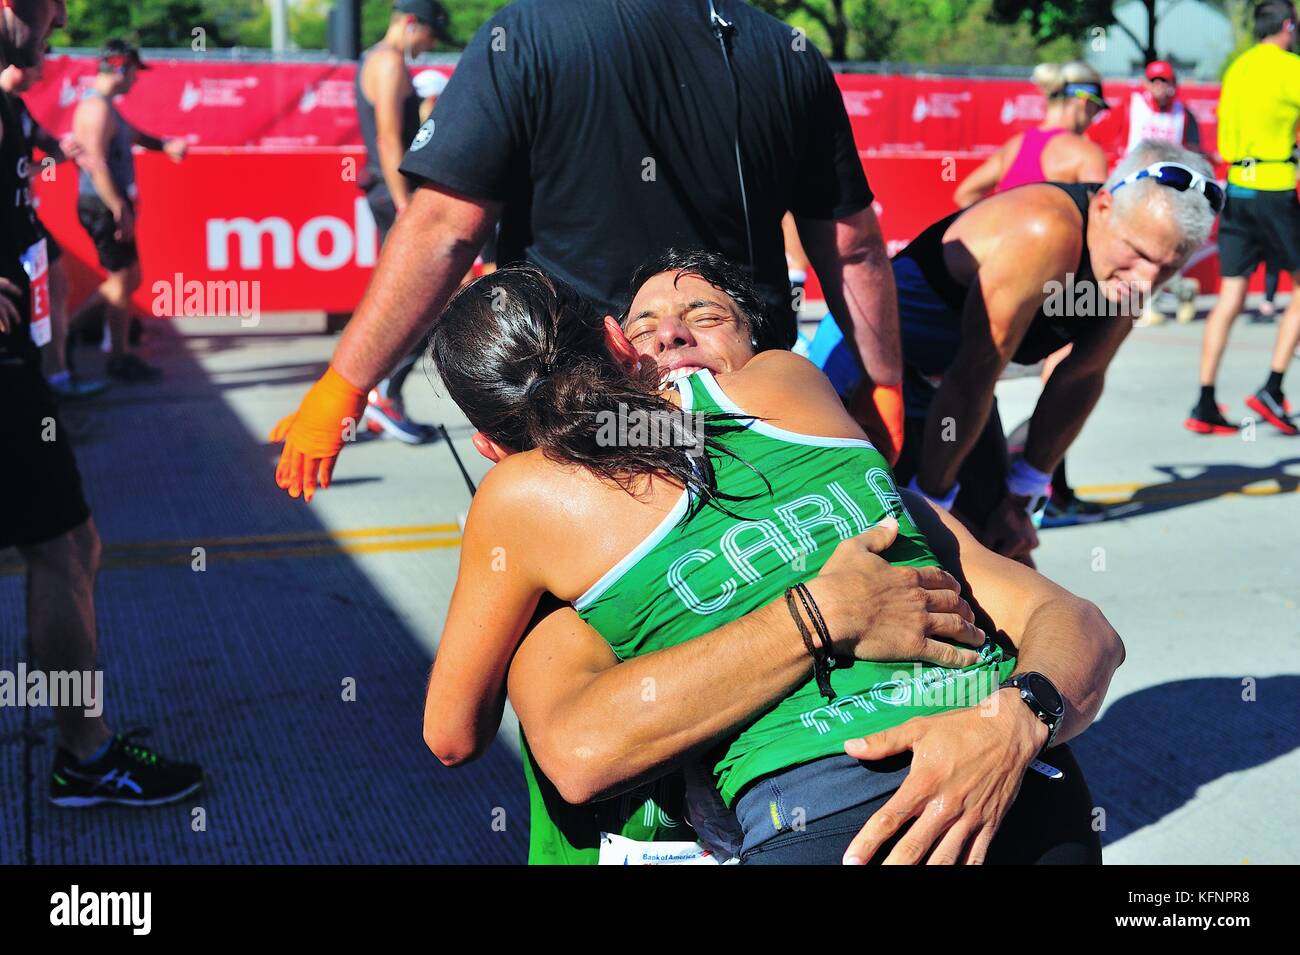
<point>1191,211</point>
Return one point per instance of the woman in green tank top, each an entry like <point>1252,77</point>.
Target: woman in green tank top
<point>661,514</point>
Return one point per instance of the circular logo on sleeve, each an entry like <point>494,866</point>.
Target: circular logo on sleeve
<point>423,136</point>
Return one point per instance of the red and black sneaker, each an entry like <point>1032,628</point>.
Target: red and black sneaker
<point>1272,410</point>
<point>1209,422</point>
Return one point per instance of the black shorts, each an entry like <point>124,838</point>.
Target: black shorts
<point>99,224</point>
<point>1050,823</point>
<point>1259,226</point>
<point>982,476</point>
<point>40,486</point>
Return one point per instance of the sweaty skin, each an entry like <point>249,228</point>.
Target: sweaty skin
<point>1012,249</point>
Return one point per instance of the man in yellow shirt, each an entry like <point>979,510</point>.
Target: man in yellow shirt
<point>1259,109</point>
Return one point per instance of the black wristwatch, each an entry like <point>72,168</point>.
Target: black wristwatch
<point>1041,696</point>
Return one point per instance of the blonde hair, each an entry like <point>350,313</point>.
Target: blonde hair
<point>1051,78</point>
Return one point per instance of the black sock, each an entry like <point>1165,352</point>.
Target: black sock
<point>1207,402</point>
<point>1274,384</point>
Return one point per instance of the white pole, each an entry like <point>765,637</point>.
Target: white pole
<point>279,25</point>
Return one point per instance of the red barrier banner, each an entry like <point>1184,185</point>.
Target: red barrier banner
<point>291,227</point>
<point>313,104</point>
<point>275,105</point>
<point>972,116</point>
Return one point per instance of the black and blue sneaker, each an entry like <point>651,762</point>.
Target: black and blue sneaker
<point>127,774</point>
<point>1065,510</point>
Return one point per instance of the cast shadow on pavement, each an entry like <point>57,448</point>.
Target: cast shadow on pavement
<point>1151,750</point>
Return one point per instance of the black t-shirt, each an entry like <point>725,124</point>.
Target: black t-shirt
<point>17,222</point>
<point>607,127</point>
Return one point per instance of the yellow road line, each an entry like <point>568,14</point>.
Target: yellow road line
<point>404,530</point>
<point>1190,489</point>
<point>330,544</point>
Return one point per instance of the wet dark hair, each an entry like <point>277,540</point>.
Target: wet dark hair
<point>722,274</point>
<point>1271,15</point>
<point>524,357</point>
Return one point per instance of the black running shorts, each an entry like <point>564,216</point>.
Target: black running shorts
<point>1259,226</point>
<point>99,224</point>
<point>40,486</point>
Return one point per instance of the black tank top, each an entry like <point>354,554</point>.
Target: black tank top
<point>1045,334</point>
<point>366,120</point>
<point>17,225</point>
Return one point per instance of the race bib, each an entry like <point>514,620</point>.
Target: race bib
<point>36,263</point>
<point>620,850</point>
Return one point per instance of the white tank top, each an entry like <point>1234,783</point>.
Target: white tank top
<point>1147,123</point>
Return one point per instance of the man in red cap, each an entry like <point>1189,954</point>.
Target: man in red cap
<point>1155,112</point>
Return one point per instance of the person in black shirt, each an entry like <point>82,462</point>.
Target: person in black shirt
<point>42,510</point>
<point>14,81</point>
<point>600,135</point>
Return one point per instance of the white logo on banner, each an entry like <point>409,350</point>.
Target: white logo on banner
<point>327,94</point>
<point>1022,107</point>
<point>211,92</point>
<point>939,106</point>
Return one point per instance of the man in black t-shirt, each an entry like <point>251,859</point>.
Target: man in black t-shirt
<point>600,135</point>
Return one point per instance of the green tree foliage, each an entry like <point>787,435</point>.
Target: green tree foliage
<point>921,31</point>
<point>979,32</point>
<point>226,23</point>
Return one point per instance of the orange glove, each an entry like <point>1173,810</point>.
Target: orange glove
<point>313,435</point>
<point>880,412</point>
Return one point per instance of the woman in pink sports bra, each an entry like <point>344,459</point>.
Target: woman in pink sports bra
<point>1056,150</point>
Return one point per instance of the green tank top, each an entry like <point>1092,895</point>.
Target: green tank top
<point>689,577</point>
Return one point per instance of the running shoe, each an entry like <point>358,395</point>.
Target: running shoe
<point>132,370</point>
<point>1273,411</point>
<point>1203,422</point>
<point>128,774</point>
<point>71,388</point>
<point>386,416</point>
<point>1065,510</point>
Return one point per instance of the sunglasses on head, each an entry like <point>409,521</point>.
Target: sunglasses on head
<point>1087,91</point>
<point>1180,177</point>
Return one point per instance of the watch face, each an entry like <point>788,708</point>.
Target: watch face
<point>1044,692</point>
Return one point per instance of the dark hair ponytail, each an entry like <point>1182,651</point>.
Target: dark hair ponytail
<point>524,357</point>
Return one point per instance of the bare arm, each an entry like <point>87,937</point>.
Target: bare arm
<point>498,584</point>
<point>431,247</point>
<point>388,87</point>
<point>1062,636</point>
<point>968,764</point>
<point>597,726</point>
<point>850,260</point>
<point>1071,393</point>
<point>986,177</point>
